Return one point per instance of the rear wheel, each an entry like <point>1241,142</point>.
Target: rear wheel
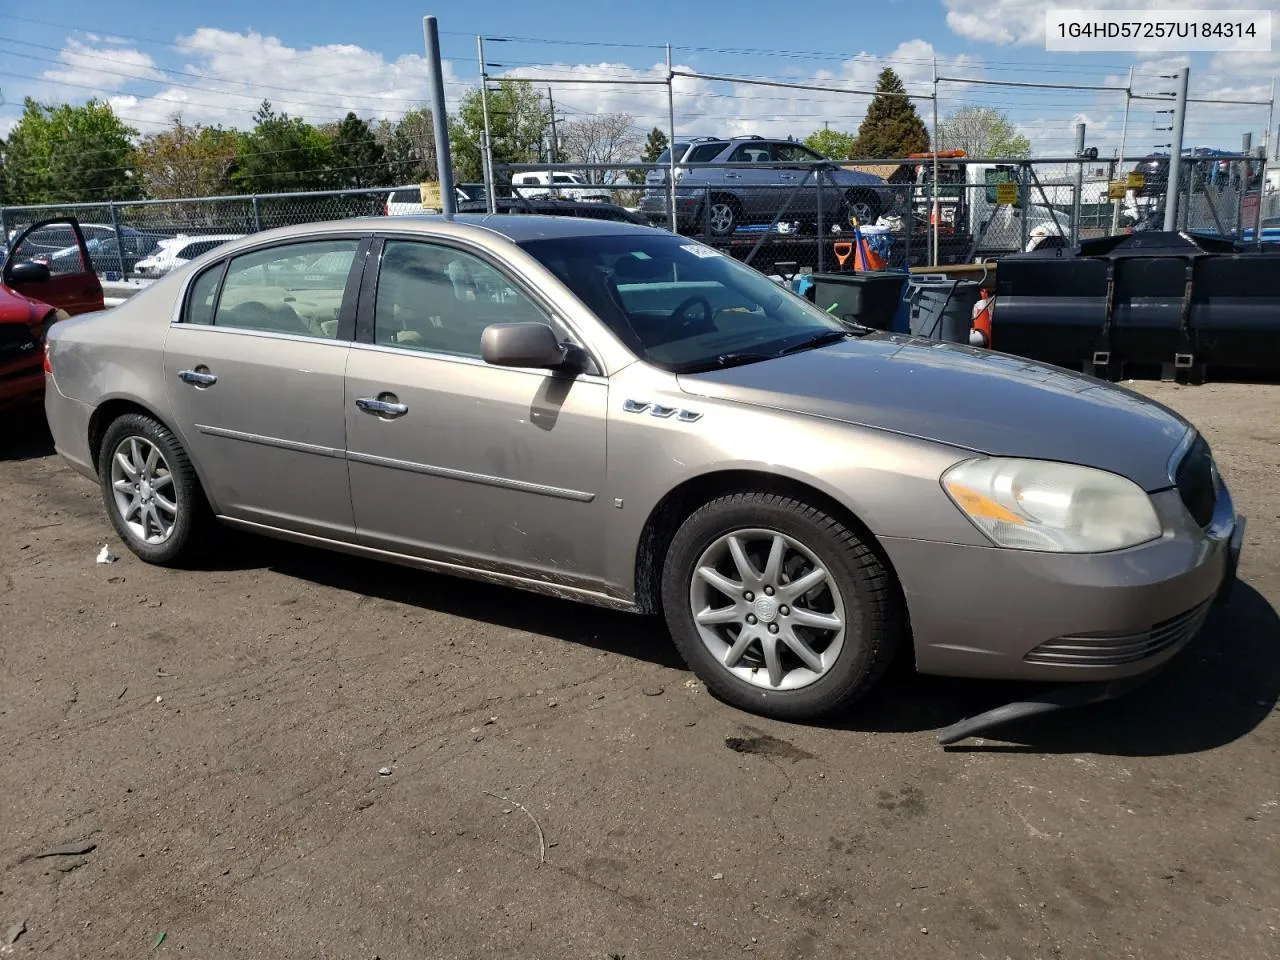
<point>724,215</point>
<point>151,492</point>
<point>778,607</point>
<point>864,205</point>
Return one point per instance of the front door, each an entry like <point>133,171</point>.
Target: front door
<point>456,460</point>
<point>254,374</point>
<point>67,281</point>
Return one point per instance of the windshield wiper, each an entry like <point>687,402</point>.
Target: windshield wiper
<point>721,362</point>
<point>821,340</point>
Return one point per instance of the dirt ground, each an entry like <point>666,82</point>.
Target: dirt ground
<point>218,735</point>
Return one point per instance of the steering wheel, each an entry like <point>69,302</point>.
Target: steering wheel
<point>679,312</point>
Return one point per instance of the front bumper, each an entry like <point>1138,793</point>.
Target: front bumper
<point>1010,614</point>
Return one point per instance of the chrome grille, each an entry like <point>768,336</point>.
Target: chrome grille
<point>1195,482</point>
<point>1117,649</point>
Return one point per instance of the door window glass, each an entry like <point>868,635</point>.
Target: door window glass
<point>438,299</point>
<point>203,292</point>
<point>294,289</point>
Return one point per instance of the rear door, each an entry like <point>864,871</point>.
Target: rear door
<point>68,283</point>
<point>254,370</point>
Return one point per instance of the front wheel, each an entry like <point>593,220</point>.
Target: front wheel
<point>151,492</point>
<point>778,607</point>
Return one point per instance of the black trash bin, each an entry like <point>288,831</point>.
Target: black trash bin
<point>869,298</point>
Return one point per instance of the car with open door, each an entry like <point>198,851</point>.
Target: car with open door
<point>618,415</point>
<point>33,295</point>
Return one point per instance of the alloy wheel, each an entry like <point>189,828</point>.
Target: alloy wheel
<point>143,490</point>
<point>767,609</point>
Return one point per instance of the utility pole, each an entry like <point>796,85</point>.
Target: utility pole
<point>486,152</point>
<point>1075,200</point>
<point>933,217</point>
<point>1175,153</point>
<point>555,139</point>
<point>439,117</point>
<point>1124,133</point>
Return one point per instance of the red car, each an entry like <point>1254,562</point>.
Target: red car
<point>32,296</point>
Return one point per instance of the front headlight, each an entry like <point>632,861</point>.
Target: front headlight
<point>1057,507</point>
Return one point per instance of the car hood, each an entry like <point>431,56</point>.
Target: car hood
<point>980,400</point>
<point>15,308</point>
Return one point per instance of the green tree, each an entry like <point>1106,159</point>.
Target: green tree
<point>410,146</point>
<point>63,153</point>
<point>832,144</point>
<point>283,153</point>
<point>654,144</point>
<point>359,159</point>
<point>518,120</point>
<point>891,127</point>
<point>984,133</point>
<point>186,161</point>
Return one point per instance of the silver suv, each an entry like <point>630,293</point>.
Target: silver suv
<point>752,186</point>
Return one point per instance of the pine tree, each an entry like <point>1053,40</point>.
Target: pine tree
<point>891,128</point>
<point>653,147</point>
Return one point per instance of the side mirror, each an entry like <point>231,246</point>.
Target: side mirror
<point>28,272</point>
<point>522,345</point>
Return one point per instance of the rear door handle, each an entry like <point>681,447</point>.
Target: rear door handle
<point>199,378</point>
<point>383,408</point>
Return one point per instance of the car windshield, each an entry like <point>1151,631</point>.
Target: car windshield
<point>680,305</point>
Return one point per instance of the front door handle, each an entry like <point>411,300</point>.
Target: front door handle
<point>381,407</point>
<point>199,378</point>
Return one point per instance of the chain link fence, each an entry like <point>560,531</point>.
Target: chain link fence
<point>783,219</point>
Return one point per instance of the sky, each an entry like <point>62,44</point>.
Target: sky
<point>215,62</point>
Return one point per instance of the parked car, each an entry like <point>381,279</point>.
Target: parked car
<point>57,235</point>
<point>407,201</point>
<point>176,251</point>
<point>557,184</point>
<point>106,253</point>
<point>33,296</point>
<point>745,191</point>
<point>618,415</point>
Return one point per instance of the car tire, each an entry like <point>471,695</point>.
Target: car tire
<point>171,523</point>
<point>863,204</point>
<point>725,216</point>
<point>858,591</point>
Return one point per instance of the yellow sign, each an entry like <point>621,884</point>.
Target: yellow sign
<point>1007,193</point>
<point>429,191</point>
<point>1116,190</point>
<point>1136,181</point>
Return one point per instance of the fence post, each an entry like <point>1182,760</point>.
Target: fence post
<point>706,214</point>
<point>822,237</point>
<point>115,225</point>
<point>257,215</point>
<point>4,227</point>
<point>909,222</point>
<point>1024,198</point>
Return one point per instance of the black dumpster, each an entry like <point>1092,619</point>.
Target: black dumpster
<point>1175,301</point>
<point>869,298</point>
<point>1235,312</point>
<point>1051,307</point>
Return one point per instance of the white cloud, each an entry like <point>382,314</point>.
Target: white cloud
<point>107,68</point>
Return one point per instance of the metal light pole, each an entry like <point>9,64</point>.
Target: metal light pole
<point>486,152</point>
<point>439,116</point>
<point>1124,133</point>
<point>1175,154</point>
